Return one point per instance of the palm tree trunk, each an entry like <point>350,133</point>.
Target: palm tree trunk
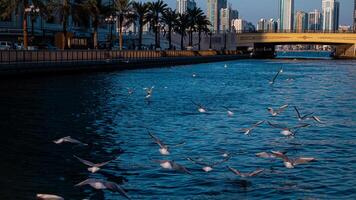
<point>95,37</point>
<point>199,47</point>
<point>24,27</point>
<point>170,37</point>
<point>140,33</point>
<point>120,37</point>
<point>156,38</point>
<point>182,42</point>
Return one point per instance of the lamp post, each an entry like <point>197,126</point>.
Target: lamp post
<point>111,20</point>
<point>33,12</point>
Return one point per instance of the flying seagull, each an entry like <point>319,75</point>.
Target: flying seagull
<point>163,149</point>
<point>102,185</point>
<point>248,131</point>
<point>201,108</point>
<point>291,163</point>
<point>48,197</point>
<point>275,77</point>
<point>301,117</point>
<point>69,139</point>
<point>244,175</point>
<point>230,113</point>
<point>168,164</point>
<point>276,112</point>
<point>265,155</point>
<point>288,131</point>
<point>92,166</point>
<point>149,92</point>
<point>208,167</point>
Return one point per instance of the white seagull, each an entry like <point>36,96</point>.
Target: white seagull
<point>288,131</point>
<point>149,92</point>
<point>245,175</point>
<point>68,139</point>
<point>208,167</point>
<point>275,77</point>
<point>102,185</point>
<point>301,117</point>
<point>230,113</point>
<point>171,165</point>
<point>276,112</point>
<point>93,167</point>
<point>291,163</point>
<point>201,108</point>
<point>163,149</point>
<point>248,131</point>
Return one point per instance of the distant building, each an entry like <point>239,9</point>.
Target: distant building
<point>301,21</point>
<point>314,20</point>
<point>213,13</point>
<point>286,15</point>
<point>330,13</point>
<point>184,5</point>
<point>262,25</point>
<point>226,16</point>
<point>345,28</point>
<point>355,15</point>
<point>272,26</point>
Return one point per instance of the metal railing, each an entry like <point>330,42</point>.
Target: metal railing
<point>58,56</point>
<point>296,31</point>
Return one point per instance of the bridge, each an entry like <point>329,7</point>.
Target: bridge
<point>264,43</point>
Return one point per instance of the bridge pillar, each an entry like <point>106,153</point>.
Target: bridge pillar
<point>346,51</point>
<point>264,50</point>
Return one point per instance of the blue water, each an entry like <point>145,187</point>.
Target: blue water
<point>97,109</point>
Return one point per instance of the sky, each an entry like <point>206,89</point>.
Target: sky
<point>253,10</point>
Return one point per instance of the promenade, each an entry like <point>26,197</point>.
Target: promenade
<point>14,62</point>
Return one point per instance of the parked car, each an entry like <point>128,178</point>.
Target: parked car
<point>5,45</point>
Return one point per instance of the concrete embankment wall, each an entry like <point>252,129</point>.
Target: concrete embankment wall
<point>35,62</point>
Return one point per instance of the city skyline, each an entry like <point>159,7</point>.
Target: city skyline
<point>248,9</point>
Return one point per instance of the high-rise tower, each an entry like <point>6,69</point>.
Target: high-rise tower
<point>286,15</point>
<point>330,15</point>
<point>213,12</point>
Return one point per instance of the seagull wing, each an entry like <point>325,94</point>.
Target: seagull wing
<point>302,160</point>
<point>103,163</point>
<point>157,141</point>
<point>180,168</point>
<point>307,115</point>
<point>264,155</point>
<point>276,125</point>
<point>275,77</point>
<point>235,171</point>
<point>280,155</point>
<point>221,161</point>
<point>87,182</point>
<point>72,140</point>
<point>85,162</point>
<point>256,172</point>
<point>282,108</point>
<point>258,123</point>
<point>317,119</point>
<point>301,126</point>
<point>197,162</point>
<point>298,113</point>
<point>116,188</point>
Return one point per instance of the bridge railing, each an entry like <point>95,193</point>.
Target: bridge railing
<point>296,31</point>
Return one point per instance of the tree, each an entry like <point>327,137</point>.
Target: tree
<point>123,11</point>
<point>7,7</point>
<point>202,27</point>
<point>181,27</point>
<point>169,18</point>
<point>193,15</point>
<point>96,9</point>
<point>140,15</point>
<point>156,9</point>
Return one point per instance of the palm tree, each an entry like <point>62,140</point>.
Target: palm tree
<point>156,9</point>
<point>193,14</point>
<point>123,11</point>
<point>140,15</point>
<point>202,27</point>
<point>181,27</point>
<point>169,18</point>
<point>96,10</point>
<point>7,7</point>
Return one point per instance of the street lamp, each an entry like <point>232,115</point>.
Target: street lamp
<point>32,11</point>
<point>111,20</point>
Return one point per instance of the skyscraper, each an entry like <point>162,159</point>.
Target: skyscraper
<point>184,5</point>
<point>272,26</point>
<point>314,21</point>
<point>286,15</point>
<point>330,15</point>
<point>226,16</point>
<point>301,21</point>
<point>213,12</point>
<point>262,25</point>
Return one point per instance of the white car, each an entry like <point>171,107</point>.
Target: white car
<point>4,45</point>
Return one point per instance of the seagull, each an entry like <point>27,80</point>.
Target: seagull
<point>92,166</point>
<point>291,163</point>
<point>229,112</point>
<point>244,175</point>
<point>149,92</point>
<point>288,131</point>
<point>225,65</point>
<point>317,119</point>
<point>48,197</point>
<point>278,111</point>
<point>300,117</point>
<point>194,75</point>
<point>102,185</point>
<point>247,131</point>
<point>164,149</point>
<point>168,164</point>
<point>68,139</point>
<point>208,167</point>
<point>201,108</point>
<point>130,91</point>
<point>265,155</point>
<point>275,77</point>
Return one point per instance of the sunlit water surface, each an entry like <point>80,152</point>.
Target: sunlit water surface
<point>97,109</point>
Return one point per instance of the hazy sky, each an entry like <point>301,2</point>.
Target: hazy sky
<point>253,10</point>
